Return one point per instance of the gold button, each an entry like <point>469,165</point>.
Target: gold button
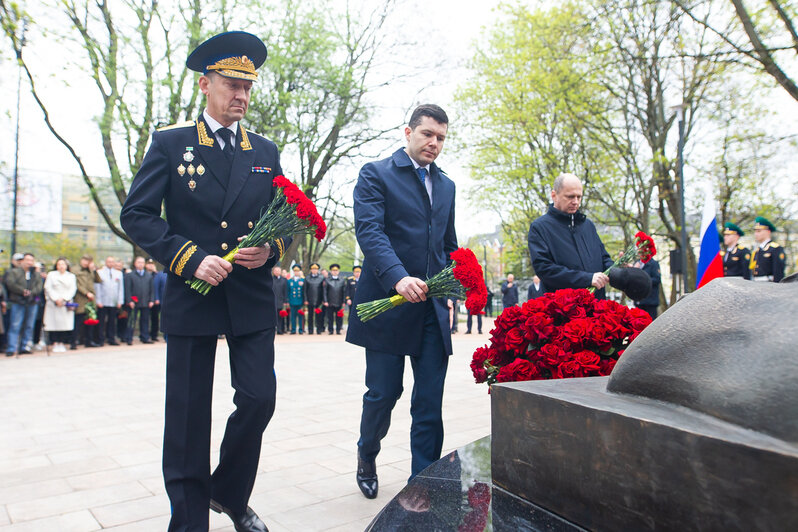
<point>224,224</point>
<point>250,225</point>
<point>224,246</point>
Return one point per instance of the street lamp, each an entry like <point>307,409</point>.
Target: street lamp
<point>680,117</point>
<point>16,143</point>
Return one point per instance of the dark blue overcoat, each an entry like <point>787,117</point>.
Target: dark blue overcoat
<point>208,204</point>
<point>400,235</point>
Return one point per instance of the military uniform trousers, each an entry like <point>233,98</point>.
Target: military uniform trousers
<point>187,432</point>
<point>297,317</point>
<point>384,375</point>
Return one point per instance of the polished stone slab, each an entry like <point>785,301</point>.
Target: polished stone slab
<point>455,494</point>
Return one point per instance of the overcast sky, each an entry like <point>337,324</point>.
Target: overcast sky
<point>445,29</point>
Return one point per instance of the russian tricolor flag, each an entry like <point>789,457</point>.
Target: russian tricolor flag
<point>710,265</point>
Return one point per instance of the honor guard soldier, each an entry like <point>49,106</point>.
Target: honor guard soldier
<point>736,258</point>
<point>296,299</point>
<point>314,299</point>
<point>213,178</point>
<point>768,261</point>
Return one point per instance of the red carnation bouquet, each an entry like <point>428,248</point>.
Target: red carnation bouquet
<point>289,213</point>
<point>301,312</point>
<point>283,313</point>
<point>340,313</point>
<point>91,314</point>
<point>642,248</point>
<point>565,334</point>
<point>317,310</point>
<point>462,278</point>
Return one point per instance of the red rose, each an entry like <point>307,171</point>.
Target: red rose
<point>539,327</point>
<point>283,313</point>
<point>588,360</point>
<point>301,312</point>
<point>135,299</point>
<point>509,318</point>
<point>568,369</point>
<point>340,313</point>
<point>514,341</point>
<point>478,368</point>
<point>578,330</point>
<point>605,366</point>
<point>518,370</point>
<point>551,355</point>
<point>317,310</point>
<point>638,319</point>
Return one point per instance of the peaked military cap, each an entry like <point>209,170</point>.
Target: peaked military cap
<point>335,265</point>
<point>730,228</point>
<point>314,264</point>
<point>356,267</point>
<point>233,54</point>
<point>764,223</point>
<point>296,267</point>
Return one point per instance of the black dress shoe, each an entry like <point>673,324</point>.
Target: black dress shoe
<point>367,477</point>
<point>246,522</point>
<point>92,344</point>
<point>130,342</point>
<point>147,342</point>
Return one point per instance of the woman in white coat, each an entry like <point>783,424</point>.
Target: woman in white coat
<point>59,319</point>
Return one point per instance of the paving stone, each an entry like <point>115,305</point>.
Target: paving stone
<point>80,447</point>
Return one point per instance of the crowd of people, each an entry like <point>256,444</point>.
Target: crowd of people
<point>78,305</point>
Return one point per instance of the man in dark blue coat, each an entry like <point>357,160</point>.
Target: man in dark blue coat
<point>564,246</point>
<point>650,303</point>
<point>404,221</point>
<point>214,178</point>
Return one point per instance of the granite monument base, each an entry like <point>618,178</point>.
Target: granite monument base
<point>606,461</point>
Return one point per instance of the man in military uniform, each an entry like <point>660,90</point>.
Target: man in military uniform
<point>351,286</point>
<point>736,258</point>
<point>768,261</point>
<point>314,299</point>
<point>85,277</point>
<point>296,299</point>
<point>213,178</point>
<point>280,285</point>
<point>334,292</point>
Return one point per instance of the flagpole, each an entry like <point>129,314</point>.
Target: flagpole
<point>685,277</point>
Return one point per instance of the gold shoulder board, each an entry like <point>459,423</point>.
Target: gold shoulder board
<point>188,123</point>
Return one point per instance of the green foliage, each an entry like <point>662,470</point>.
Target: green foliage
<point>46,247</point>
<point>526,108</point>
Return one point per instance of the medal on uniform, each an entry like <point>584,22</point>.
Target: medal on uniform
<point>188,156</point>
<point>192,185</point>
<point>191,169</point>
<point>181,170</point>
<point>200,170</point>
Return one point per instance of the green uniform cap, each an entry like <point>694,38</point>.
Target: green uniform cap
<point>730,228</point>
<point>764,223</point>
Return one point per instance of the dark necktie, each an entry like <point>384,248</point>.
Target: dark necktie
<point>227,136</point>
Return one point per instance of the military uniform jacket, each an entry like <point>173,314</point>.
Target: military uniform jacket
<point>400,234</point>
<point>296,291</point>
<point>736,263</point>
<point>209,203</point>
<point>86,279</point>
<point>314,290</point>
<point>769,260</point>
<point>351,288</point>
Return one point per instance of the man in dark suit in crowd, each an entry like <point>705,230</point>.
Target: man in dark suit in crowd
<point>214,178</point>
<point>351,286</point>
<point>334,289</point>
<point>535,289</point>
<point>404,222</point>
<point>139,299</point>
<point>564,246</point>
<point>509,292</point>
<point>158,286</point>
<point>280,285</point>
<point>314,299</point>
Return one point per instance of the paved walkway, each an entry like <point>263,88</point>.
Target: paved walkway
<point>80,437</point>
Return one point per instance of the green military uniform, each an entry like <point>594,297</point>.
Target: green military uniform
<point>737,258</point>
<point>769,259</point>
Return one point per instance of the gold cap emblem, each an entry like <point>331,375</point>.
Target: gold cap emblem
<point>235,67</point>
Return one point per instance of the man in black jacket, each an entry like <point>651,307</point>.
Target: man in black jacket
<point>509,292</point>
<point>334,294</point>
<point>564,246</point>
<point>314,299</point>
